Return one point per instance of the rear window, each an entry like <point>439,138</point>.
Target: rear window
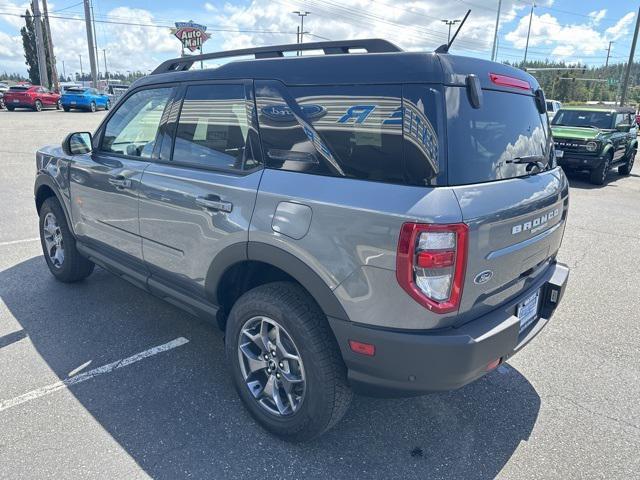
<point>483,141</point>
<point>19,89</point>
<point>75,90</point>
<point>584,118</point>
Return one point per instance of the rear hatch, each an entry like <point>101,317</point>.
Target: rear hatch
<point>515,217</point>
<point>17,93</point>
<point>72,96</point>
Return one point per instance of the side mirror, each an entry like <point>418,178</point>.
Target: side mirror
<point>77,143</point>
<point>623,128</point>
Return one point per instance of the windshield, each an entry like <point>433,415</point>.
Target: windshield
<point>486,144</point>
<point>584,118</point>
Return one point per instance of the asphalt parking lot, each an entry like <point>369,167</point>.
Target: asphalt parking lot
<point>567,406</point>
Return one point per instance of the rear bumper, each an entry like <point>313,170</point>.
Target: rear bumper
<point>76,103</point>
<point>414,363</point>
<point>20,104</point>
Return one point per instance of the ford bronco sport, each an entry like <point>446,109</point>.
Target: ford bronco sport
<point>368,219</point>
<point>596,139</point>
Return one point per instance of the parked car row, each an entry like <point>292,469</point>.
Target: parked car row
<point>38,98</point>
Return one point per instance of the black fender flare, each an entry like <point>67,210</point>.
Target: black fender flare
<point>45,180</point>
<point>279,258</point>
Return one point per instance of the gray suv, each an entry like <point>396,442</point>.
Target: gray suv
<point>365,220</point>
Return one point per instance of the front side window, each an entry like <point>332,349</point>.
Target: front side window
<point>133,127</point>
<point>213,128</point>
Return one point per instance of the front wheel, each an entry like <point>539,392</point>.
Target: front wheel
<point>59,245</point>
<point>599,174</point>
<point>626,168</point>
<point>285,363</point>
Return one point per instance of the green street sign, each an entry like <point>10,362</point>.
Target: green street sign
<point>613,81</point>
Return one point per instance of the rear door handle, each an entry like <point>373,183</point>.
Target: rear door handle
<point>120,181</point>
<point>214,203</point>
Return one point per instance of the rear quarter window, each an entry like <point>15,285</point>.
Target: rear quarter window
<point>357,132</point>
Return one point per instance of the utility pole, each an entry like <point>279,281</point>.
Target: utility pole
<point>526,48</point>
<point>95,38</point>
<point>64,71</point>
<point>301,14</point>
<point>55,81</point>
<point>625,83</point>
<point>298,34</point>
<point>450,23</point>
<point>92,52</point>
<point>81,72</point>
<point>606,63</point>
<point>494,51</point>
<point>106,70</point>
<point>42,60</point>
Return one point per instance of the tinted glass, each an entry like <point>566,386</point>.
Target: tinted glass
<point>584,118</point>
<point>484,142</point>
<point>132,129</point>
<point>346,131</point>
<point>213,128</point>
<point>19,89</point>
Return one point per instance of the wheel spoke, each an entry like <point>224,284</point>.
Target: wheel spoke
<point>254,362</point>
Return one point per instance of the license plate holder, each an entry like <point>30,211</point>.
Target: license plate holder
<point>527,310</point>
<point>73,102</point>
<point>559,153</point>
<point>16,101</point>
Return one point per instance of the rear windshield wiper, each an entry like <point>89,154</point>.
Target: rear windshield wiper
<point>530,161</point>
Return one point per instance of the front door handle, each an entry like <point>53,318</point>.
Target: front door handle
<point>214,203</point>
<point>120,182</point>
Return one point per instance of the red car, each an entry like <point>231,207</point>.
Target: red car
<point>34,97</point>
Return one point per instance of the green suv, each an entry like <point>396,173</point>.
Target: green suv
<point>595,138</point>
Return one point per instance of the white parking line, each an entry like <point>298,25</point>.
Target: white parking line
<point>54,387</point>
<point>14,242</point>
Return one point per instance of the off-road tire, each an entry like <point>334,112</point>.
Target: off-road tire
<point>599,174</point>
<point>75,267</point>
<point>327,394</point>
<point>626,168</point>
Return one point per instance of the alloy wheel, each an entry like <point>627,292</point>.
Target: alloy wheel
<point>54,243</point>
<point>271,366</point>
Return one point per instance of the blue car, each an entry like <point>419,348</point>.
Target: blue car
<point>84,99</point>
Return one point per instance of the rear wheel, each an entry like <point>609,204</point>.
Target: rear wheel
<point>92,107</point>
<point>38,106</point>
<point>11,109</point>
<point>58,105</point>
<point>107,105</point>
<point>285,363</point>
<point>599,174</point>
<point>66,109</point>
<point>626,168</point>
<point>59,245</point>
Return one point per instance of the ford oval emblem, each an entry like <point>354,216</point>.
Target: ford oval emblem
<point>282,113</point>
<point>483,277</point>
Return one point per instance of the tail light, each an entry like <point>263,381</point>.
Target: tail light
<point>431,262</point>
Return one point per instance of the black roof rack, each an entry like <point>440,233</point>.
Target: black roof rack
<point>374,45</point>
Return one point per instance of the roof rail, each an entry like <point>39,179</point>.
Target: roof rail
<point>374,45</point>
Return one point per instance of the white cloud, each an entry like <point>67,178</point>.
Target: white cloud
<point>567,41</point>
<point>597,15</point>
<point>209,7</point>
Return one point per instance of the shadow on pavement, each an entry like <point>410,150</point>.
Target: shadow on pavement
<point>177,415</point>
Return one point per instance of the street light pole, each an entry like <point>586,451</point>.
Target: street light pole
<point>106,71</point>
<point>526,48</point>
<point>449,23</point>
<point>494,50</point>
<point>301,14</point>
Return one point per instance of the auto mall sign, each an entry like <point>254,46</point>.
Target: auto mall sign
<point>192,35</point>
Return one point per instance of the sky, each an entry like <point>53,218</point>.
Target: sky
<point>569,30</point>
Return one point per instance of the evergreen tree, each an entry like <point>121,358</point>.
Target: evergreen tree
<point>28,33</point>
